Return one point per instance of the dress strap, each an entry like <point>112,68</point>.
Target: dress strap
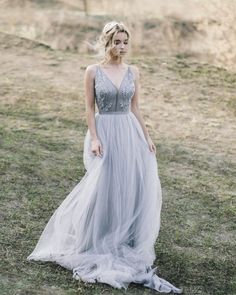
<point>98,70</point>
<point>131,72</point>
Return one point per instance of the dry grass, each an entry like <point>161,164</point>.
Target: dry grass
<point>189,108</point>
<point>202,30</point>
<point>189,111</point>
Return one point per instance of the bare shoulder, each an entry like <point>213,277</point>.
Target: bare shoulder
<point>135,71</point>
<point>91,70</point>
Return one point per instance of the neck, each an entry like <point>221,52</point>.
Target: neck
<point>116,61</point>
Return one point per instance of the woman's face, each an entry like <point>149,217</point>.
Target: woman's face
<point>120,44</point>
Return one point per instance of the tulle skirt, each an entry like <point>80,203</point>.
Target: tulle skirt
<point>106,228</point>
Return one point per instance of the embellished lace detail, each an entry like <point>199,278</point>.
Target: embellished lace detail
<point>108,97</point>
<point>126,92</point>
<point>102,94</point>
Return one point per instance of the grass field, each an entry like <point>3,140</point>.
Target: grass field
<point>189,109</point>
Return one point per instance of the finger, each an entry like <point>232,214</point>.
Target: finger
<point>96,153</point>
<point>154,148</point>
<point>101,150</point>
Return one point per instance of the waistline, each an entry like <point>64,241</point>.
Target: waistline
<point>114,113</point>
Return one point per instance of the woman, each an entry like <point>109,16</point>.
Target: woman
<point>105,229</point>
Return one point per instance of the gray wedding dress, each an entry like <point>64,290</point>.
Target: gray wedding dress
<point>105,229</point>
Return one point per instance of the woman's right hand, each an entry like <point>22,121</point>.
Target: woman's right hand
<point>96,147</point>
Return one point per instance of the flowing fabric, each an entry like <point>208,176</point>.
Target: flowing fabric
<point>106,228</point>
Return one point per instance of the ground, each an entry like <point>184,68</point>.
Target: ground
<point>189,110</point>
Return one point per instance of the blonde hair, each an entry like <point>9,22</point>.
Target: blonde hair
<point>104,43</point>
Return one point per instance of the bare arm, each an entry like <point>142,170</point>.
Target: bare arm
<point>135,109</point>
<point>90,108</point>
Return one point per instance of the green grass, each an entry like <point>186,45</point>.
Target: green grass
<point>195,247</point>
<point>42,134</point>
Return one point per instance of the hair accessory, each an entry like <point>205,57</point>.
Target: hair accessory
<point>109,26</point>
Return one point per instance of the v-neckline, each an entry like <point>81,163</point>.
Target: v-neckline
<point>105,74</point>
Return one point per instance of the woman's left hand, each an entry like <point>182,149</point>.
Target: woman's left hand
<point>151,145</point>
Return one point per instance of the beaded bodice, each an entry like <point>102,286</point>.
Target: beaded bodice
<point>108,97</point>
